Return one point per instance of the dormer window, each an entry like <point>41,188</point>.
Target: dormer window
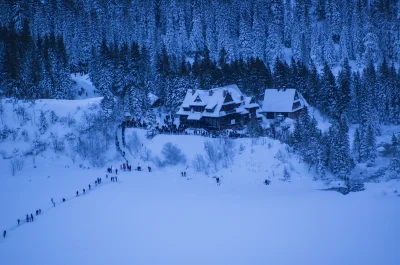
<point>228,98</point>
<point>198,99</point>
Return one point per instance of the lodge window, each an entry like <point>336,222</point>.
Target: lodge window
<point>228,107</point>
<point>186,109</point>
<point>198,108</point>
<point>270,115</point>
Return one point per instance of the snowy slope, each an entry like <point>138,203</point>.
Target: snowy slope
<point>163,218</point>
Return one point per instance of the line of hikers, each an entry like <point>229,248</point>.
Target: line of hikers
<point>29,218</point>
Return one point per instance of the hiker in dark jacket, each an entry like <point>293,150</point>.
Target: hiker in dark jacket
<point>32,217</point>
<point>77,193</point>
<point>4,233</point>
<point>27,218</point>
<point>89,186</point>
<point>84,191</point>
<point>18,221</point>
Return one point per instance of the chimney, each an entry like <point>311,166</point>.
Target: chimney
<point>193,91</point>
<point>210,93</point>
<point>225,92</point>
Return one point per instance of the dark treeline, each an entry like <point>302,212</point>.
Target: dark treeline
<point>313,30</point>
<point>39,67</point>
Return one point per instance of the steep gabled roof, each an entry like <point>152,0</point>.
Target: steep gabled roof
<point>214,100</point>
<point>288,100</point>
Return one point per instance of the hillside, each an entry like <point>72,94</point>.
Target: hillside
<point>160,217</point>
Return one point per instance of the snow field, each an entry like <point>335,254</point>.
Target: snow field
<point>163,218</point>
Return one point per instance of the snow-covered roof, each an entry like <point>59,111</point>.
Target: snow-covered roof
<point>127,114</point>
<point>288,100</point>
<point>152,98</point>
<point>213,100</point>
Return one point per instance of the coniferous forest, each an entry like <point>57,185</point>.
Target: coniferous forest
<point>342,55</point>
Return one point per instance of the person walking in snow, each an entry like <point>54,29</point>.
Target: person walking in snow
<point>149,168</point>
<point>217,179</point>
<point>95,182</point>
<point>51,200</point>
<point>18,221</point>
<point>32,217</point>
<point>89,186</point>
<point>116,171</point>
<point>84,191</point>
<point>182,173</point>
<point>77,193</point>
<point>63,199</point>
<point>116,179</point>
<point>4,233</point>
<point>37,212</point>
<point>27,218</point>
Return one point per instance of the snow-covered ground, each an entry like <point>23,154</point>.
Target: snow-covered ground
<point>160,217</point>
<point>84,85</point>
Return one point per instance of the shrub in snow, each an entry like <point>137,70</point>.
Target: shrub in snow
<point>22,115</point>
<point>53,117</point>
<point>226,147</point>
<point>212,153</point>
<point>157,161</point>
<point>16,164</point>
<point>57,143</point>
<point>4,133</point>
<point>3,154</point>
<point>1,111</point>
<point>286,174</point>
<point>254,128</point>
<point>172,154</point>
<point>43,125</point>
<point>133,142</point>
<point>68,120</point>
<point>199,164</point>
<point>281,156</point>
<point>145,154</point>
<point>38,146</point>
<point>14,135</point>
<point>242,147</point>
<point>70,137</point>
<point>25,135</point>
